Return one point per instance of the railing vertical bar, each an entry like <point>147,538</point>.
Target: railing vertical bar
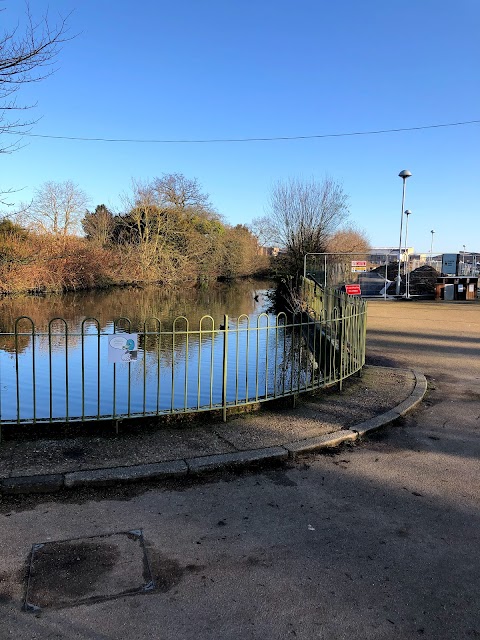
<point>237,353</point>
<point>185,391</point>
<point>300,337</point>
<point>1,386</point>
<point>99,371</point>
<point>50,368</point>
<point>328,344</point>
<point>17,376</point>
<point>256,361</point>
<point>173,369</point>
<point>247,359</point>
<point>67,390</point>
<point>34,378</point>
<point>159,352</point>
<point>225,368</point>
<point>129,388</point>
<point>199,377</point>
<point>144,367</point>
<point>114,405</point>
<point>83,369</point>
<point>309,356</point>
<point>267,344</point>
<point>292,357</point>
<point>275,369</point>
<point>17,367</point>
<point>212,354</point>
<point>284,359</point>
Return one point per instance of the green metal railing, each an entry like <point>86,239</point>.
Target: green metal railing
<point>62,374</point>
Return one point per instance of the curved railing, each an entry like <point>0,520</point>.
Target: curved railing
<point>88,372</point>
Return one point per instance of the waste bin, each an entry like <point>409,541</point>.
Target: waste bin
<point>456,288</point>
<point>449,292</point>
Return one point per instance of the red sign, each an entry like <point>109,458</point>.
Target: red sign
<point>359,263</point>
<point>353,289</point>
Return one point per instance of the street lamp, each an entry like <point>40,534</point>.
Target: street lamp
<point>431,247</point>
<point>404,175</point>
<point>407,275</point>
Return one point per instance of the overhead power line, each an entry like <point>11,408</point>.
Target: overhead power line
<point>265,139</point>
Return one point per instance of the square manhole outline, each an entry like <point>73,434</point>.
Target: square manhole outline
<point>38,549</point>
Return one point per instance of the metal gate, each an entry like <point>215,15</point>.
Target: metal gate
<point>375,273</point>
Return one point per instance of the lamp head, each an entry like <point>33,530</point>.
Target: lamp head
<point>407,212</point>
<point>404,174</point>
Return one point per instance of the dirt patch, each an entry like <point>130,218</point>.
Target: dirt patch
<point>69,571</point>
<point>86,570</point>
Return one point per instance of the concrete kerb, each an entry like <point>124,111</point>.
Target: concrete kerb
<point>202,464</point>
<point>310,445</point>
<point>105,477</point>
<point>238,458</point>
<point>33,484</point>
<point>400,410</point>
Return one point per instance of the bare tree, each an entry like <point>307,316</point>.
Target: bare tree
<point>263,230</point>
<point>58,207</point>
<point>175,190</point>
<point>303,215</point>
<point>25,56</point>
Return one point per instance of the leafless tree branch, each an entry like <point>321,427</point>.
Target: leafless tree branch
<point>27,55</point>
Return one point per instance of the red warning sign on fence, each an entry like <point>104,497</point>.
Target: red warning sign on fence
<point>353,289</point>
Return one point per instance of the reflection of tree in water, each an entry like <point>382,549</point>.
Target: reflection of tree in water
<point>134,303</point>
<point>162,351</point>
<point>10,345</point>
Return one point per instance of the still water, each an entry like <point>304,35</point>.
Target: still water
<point>53,370</point>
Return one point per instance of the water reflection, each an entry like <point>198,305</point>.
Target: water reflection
<point>183,365</point>
<point>137,304</point>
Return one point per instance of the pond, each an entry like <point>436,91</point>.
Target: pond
<point>133,352</point>
<point>236,298</point>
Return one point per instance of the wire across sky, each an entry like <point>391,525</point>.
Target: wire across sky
<point>260,139</point>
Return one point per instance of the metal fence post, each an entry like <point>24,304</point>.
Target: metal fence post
<point>225,363</point>
<point>343,308</point>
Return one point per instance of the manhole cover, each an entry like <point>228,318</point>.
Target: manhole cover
<point>86,570</point>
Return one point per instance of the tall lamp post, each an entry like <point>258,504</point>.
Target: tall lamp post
<point>407,274</point>
<point>431,247</point>
<point>404,175</point>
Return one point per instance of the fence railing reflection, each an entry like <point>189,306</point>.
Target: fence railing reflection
<point>61,375</point>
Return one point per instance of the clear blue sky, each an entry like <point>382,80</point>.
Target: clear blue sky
<point>195,69</point>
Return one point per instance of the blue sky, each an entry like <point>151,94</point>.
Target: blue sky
<point>228,69</point>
